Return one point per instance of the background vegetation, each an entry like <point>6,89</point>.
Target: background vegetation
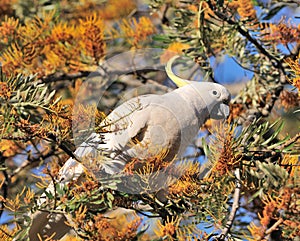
<point>48,48</point>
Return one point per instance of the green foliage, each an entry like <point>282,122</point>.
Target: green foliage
<point>253,168</point>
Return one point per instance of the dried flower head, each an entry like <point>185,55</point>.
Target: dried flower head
<point>167,228</point>
<point>136,31</point>
<point>8,29</point>
<point>289,99</point>
<point>92,37</point>
<point>172,50</point>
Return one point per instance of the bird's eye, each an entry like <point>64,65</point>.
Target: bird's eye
<point>215,93</point>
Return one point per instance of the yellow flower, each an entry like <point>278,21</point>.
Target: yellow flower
<point>295,66</point>
<point>92,37</point>
<point>62,32</point>
<point>246,9</point>
<point>167,229</point>
<point>116,9</point>
<point>136,31</point>
<point>8,28</point>
<point>172,50</point>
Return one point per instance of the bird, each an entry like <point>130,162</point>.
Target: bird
<point>141,127</point>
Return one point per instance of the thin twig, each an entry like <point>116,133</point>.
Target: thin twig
<point>244,67</point>
<point>247,35</point>
<point>274,226</point>
<point>62,77</point>
<point>235,206</point>
<point>17,138</point>
<point>109,71</point>
<point>5,184</point>
<point>290,141</point>
<point>31,162</point>
<point>6,234</point>
<point>145,214</point>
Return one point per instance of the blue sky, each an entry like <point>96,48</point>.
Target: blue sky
<point>226,71</point>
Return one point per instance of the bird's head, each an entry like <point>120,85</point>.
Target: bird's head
<point>215,96</point>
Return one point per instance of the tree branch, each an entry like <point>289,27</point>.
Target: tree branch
<point>274,227</point>
<point>62,77</point>
<point>275,62</point>
<point>5,183</point>
<point>32,162</point>
<point>235,206</point>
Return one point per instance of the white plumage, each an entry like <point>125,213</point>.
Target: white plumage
<point>143,127</point>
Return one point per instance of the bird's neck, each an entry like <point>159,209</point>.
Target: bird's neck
<point>198,104</point>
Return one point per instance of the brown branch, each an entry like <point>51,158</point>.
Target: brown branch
<point>235,206</point>
<point>31,162</point>
<point>275,62</point>
<point>294,139</point>
<point>256,111</point>
<point>294,53</point>
<point>273,228</point>
<point>63,77</point>
<point>106,71</point>
<point>4,186</point>
<point>17,138</point>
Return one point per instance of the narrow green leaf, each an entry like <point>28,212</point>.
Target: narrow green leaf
<point>274,135</point>
<point>273,11</point>
<point>278,143</point>
<point>49,195</point>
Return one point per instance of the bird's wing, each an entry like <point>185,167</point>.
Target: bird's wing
<point>43,223</point>
<point>126,123</point>
<point>140,117</point>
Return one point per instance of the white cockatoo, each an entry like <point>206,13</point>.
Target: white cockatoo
<point>141,127</point>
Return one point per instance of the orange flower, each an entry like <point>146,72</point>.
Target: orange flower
<point>283,32</point>
<point>268,211</point>
<point>29,195</point>
<point>208,12</point>
<point>289,99</point>
<point>8,147</point>
<point>295,66</point>
<point>168,228</point>
<point>292,164</point>
<point>62,32</point>
<point>294,226</point>
<point>187,183</point>
<point>257,232</point>
<point>233,4</point>
<point>80,215</point>
<point>246,9</point>
<point>137,31</point>
<point>6,233</point>
<point>226,159</point>
<point>92,37</point>
<point>8,28</point>
<point>5,90</point>
<point>115,9</point>
<point>6,7</point>
<point>11,59</point>
<point>173,49</point>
